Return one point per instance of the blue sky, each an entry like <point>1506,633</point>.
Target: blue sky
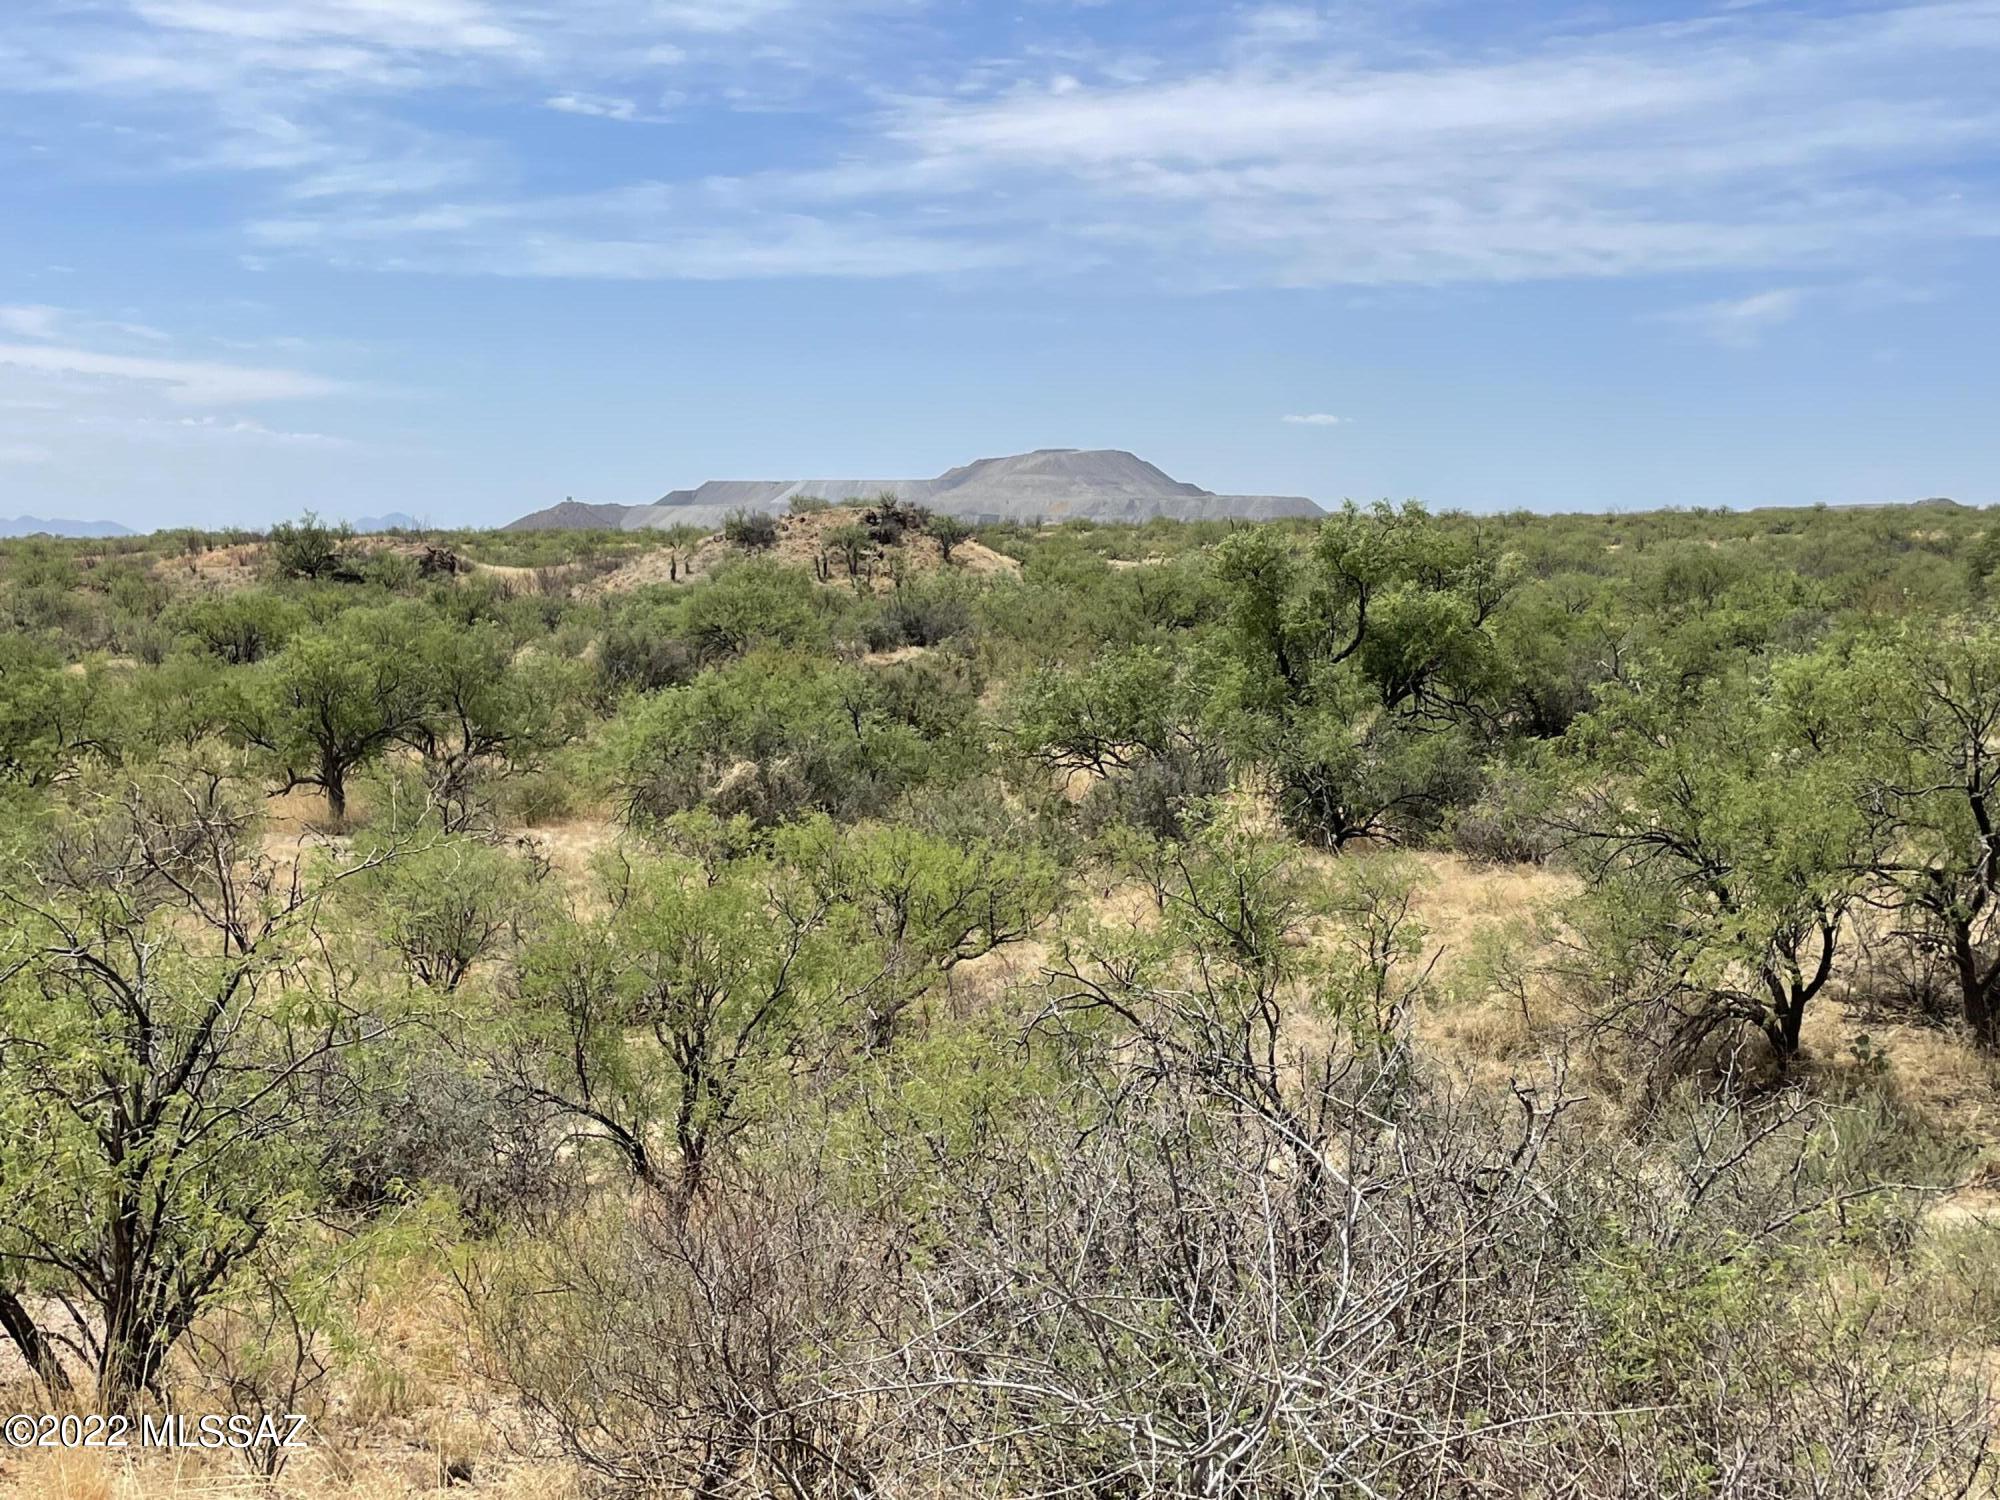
<point>465,257</point>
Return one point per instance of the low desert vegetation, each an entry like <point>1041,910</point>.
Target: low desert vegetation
<point>863,1005</point>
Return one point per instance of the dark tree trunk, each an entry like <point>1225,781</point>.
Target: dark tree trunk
<point>128,1364</point>
<point>1978,988</point>
<point>36,1350</point>
<point>1982,1014</point>
<point>1790,1022</point>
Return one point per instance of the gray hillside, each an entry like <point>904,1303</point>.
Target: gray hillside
<point>1054,484</point>
<point>574,515</point>
<point>1103,485</point>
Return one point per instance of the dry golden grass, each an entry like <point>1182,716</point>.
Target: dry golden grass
<point>102,664</point>
<point>572,845</point>
<point>317,1475</point>
<point>1123,904</point>
<point>399,1419</point>
<point>990,980</point>
<point>301,813</point>
<point>244,565</point>
<point>1946,1080</point>
<point>218,570</point>
<point>1489,1016</point>
<point>346,1457</point>
<point>514,580</point>
<point>1461,895</point>
<point>892,657</point>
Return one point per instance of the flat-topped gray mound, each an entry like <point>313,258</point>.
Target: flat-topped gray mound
<point>574,515</point>
<point>1054,484</point>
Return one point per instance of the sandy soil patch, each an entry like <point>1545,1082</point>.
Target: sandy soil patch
<point>219,570</point>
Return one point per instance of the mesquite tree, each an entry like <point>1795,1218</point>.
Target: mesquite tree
<point>657,1026</point>
<point>166,1021</point>
<point>1924,709</point>
<point>1362,669</point>
<point>1727,851</point>
<point>331,702</point>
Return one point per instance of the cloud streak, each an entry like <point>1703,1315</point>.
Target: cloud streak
<point>31,322</point>
<point>1286,151</point>
<point>76,399</point>
<point>187,382</point>
<point>1637,151</point>
<point>1740,322</point>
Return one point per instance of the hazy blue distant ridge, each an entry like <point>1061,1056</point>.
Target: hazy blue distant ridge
<point>60,526</point>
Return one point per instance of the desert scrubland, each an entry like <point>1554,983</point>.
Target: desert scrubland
<point>859,1003</point>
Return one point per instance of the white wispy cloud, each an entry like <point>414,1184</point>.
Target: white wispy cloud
<point>1758,141</point>
<point>31,321</point>
<point>1317,419</point>
<point>1302,145</point>
<point>40,321</point>
<point>414,25</point>
<point>98,399</point>
<point>599,106</point>
<point>1740,322</point>
<point>194,382</point>
<point>318,96</point>
<point>236,430</point>
<point>1284,26</point>
<point>219,48</point>
<point>709,231</point>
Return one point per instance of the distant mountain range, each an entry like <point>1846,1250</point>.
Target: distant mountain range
<point>60,526</point>
<point>396,520</point>
<point>1054,484</point>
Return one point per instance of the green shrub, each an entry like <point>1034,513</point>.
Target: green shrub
<point>772,737</point>
<point>541,798</point>
<point>754,530</point>
<point>308,548</point>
